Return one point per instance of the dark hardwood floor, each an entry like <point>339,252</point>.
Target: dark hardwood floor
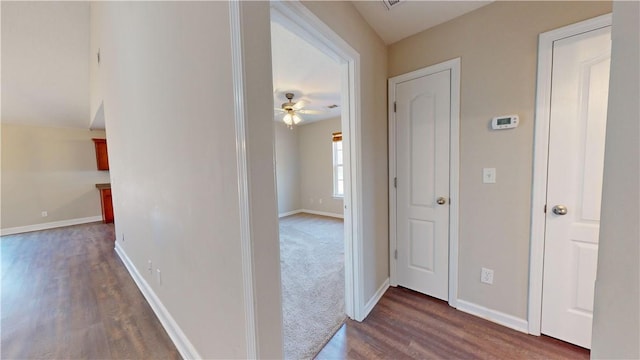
<point>409,325</point>
<point>66,295</point>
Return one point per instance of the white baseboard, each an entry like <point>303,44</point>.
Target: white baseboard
<point>495,316</point>
<point>314,212</point>
<point>375,298</point>
<point>49,225</point>
<point>322,213</point>
<point>180,340</point>
<point>289,213</point>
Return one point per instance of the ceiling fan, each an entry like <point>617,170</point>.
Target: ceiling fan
<point>292,111</point>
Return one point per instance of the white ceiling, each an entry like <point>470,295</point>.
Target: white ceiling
<point>300,68</point>
<point>411,16</point>
<point>45,63</point>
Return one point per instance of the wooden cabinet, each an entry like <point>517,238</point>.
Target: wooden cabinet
<point>106,202</point>
<point>102,161</point>
<point>102,157</point>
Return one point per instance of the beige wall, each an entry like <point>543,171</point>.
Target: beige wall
<point>345,20</point>
<point>304,167</point>
<point>287,168</point>
<point>316,166</point>
<point>95,71</point>
<point>45,67</point>
<point>173,160</point>
<point>497,45</point>
<point>48,169</point>
<point>168,96</point>
<point>616,319</point>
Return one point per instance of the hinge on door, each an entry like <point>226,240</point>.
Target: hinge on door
<point>395,182</point>
<point>545,208</point>
<point>394,106</point>
<point>395,254</point>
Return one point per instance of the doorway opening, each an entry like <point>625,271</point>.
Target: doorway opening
<point>298,20</point>
<point>310,189</point>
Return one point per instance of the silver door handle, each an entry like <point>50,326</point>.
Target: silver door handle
<point>560,210</point>
<point>441,200</point>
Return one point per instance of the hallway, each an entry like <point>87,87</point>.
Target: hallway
<point>67,295</point>
<point>409,325</point>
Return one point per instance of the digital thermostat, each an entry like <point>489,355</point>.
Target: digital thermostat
<point>504,122</point>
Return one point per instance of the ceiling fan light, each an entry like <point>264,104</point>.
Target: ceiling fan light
<point>288,119</point>
<point>296,119</point>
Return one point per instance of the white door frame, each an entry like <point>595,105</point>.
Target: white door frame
<point>454,170</point>
<point>296,17</point>
<point>541,157</point>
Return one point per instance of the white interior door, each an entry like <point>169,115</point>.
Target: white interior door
<point>423,115</point>
<point>580,84</point>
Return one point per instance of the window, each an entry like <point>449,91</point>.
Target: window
<point>338,168</point>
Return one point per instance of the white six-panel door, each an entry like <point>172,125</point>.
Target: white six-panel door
<point>422,120</point>
<point>580,84</point>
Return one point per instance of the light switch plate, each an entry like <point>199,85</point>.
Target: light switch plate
<point>489,175</point>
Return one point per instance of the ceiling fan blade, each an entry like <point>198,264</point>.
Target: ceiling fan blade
<point>299,105</point>
<point>311,112</point>
<point>279,110</point>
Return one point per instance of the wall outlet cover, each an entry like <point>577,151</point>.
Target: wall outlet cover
<point>486,276</point>
<point>489,175</point>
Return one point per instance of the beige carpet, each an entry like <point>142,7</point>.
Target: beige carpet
<point>312,261</point>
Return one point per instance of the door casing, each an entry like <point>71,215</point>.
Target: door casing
<point>454,170</point>
<point>296,17</point>
<point>541,156</point>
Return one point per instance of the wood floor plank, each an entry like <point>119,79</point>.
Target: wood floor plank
<point>409,325</point>
<point>66,295</point>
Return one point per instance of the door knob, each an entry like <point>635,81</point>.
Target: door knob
<point>441,200</point>
<point>560,210</point>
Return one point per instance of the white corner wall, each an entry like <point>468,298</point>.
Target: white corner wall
<point>616,315</point>
<point>263,204</point>
<point>168,96</point>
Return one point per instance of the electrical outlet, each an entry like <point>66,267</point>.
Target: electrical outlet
<point>44,214</point>
<point>486,276</point>
<point>159,275</point>
<point>150,266</point>
<point>320,201</point>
